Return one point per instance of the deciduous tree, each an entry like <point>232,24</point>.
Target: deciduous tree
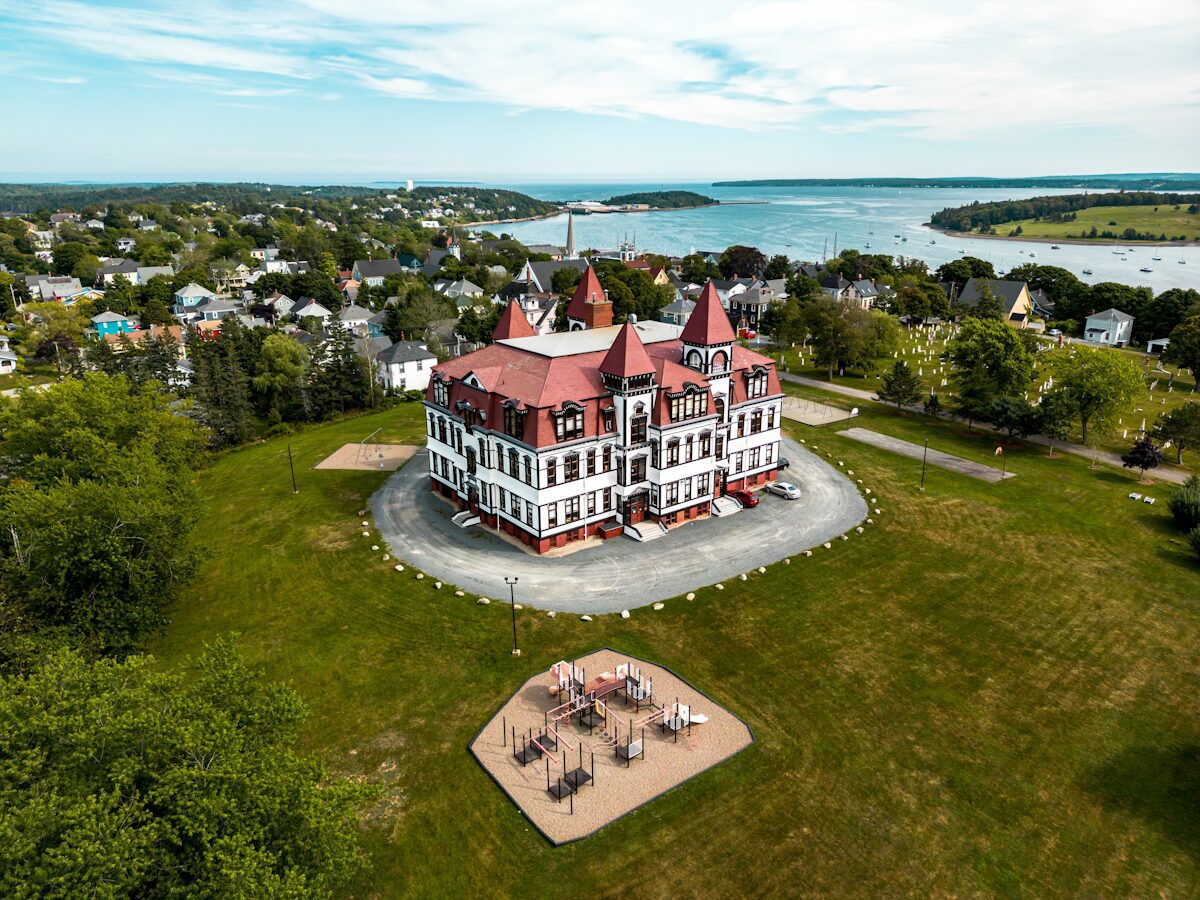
<point>1100,383</point>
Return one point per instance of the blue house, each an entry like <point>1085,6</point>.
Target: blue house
<point>109,322</point>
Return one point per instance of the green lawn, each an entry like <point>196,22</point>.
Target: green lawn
<point>1164,219</point>
<point>1164,390</point>
<point>992,691</point>
<point>30,373</point>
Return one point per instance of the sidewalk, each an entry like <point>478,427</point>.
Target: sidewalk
<point>1172,475</point>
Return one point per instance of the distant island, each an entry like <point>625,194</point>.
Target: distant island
<point>1130,182</point>
<point>1142,216</point>
<point>662,200</point>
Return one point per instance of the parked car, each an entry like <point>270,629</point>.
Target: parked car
<point>745,498</point>
<point>782,463</point>
<point>785,490</point>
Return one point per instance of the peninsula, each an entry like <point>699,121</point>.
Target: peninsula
<point>1179,181</point>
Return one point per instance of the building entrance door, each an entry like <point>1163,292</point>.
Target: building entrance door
<point>635,508</point>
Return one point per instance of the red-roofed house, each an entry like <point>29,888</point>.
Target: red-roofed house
<point>552,438</point>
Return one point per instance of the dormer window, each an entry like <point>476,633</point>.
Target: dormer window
<point>441,393</point>
<point>756,382</point>
<point>610,420</point>
<point>690,403</point>
<point>514,420</point>
<point>568,422</point>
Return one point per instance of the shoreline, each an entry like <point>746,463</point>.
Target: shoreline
<point>1082,242</point>
<point>617,212</point>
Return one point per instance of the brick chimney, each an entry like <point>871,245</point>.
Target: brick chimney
<point>598,312</point>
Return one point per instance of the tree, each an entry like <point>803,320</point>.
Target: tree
<point>696,269</point>
<point>1055,414</point>
<point>1012,414</point>
<point>1180,426</point>
<point>1145,454</point>
<point>1101,383</point>
<point>340,378</point>
<point>989,306</point>
<point>221,389</point>
<point>962,270</point>
<point>280,372</point>
<point>933,406</point>
<point>740,261</point>
<point>899,386</point>
<point>98,501</point>
<point>779,266</point>
<point>989,361</point>
<point>1184,348</point>
<point>1184,505</point>
<point>139,782</point>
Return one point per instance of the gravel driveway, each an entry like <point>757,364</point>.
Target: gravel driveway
<point>619,573</point>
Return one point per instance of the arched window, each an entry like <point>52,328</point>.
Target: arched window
<point>720,361</point>
<point>694,359</point>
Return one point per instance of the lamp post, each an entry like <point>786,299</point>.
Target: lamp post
<point>924,457</point>
<point>292,467</point>
<point>512,597</point>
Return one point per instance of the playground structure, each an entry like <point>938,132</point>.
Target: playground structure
<point>564,731</point>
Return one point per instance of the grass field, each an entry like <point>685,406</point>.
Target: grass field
<point>1159,220</point>
<point>1164,390</point>
<point>992,691</point>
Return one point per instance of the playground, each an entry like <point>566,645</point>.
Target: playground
<point>593,739</point>
<point>812,412</point>
<point>369,457</point>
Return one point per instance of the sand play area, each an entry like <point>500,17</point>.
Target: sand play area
<point>375,457</point>
<point>606,706</point>
<point>810,412</point>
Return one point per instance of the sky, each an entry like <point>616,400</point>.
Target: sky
<point>322,90</point>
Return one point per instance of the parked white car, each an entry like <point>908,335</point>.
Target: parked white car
<point>785,490</point>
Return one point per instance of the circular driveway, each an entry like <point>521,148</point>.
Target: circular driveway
<point>619,573</point>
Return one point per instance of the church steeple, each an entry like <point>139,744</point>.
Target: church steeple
<point>570,254</point>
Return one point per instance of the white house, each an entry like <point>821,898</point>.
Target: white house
<point>405,366</point>
<point>355,318</point>
<point>307,307</point>
<point>1110,327</point>
<point>126,244</point>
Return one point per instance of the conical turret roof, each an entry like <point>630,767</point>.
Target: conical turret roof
<point>512,324</point>
<point>708,323</point>
<point>627,356</point>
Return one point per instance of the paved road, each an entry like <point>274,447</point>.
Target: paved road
<point>619,573</point>
<point>936,457</point>
<point>1112,459</point>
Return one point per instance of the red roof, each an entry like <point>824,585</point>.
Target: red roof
<point>589,291</point>
<point>512,324</point>
<point>627,356</point>
<point>708,323</point>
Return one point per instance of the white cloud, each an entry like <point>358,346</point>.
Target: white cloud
<point>930,67</point>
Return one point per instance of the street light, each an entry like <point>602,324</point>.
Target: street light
<point>924,457</point>
<point>512,597</point>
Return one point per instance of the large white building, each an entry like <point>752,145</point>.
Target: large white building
<point>605,428</point>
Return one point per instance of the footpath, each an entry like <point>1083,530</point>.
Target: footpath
<point>1172,475</point>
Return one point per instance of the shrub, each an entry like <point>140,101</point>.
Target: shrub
<point>1194,539</point>
<point>1184,505</point>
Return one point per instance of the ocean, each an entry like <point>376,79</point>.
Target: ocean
<point>806,223</point>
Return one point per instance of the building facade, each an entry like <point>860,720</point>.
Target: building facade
<point>606,428</point>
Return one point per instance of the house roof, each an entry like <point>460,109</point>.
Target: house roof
<point>709,324</point>
<point>1111,314</point>
<point>307,306</point>
<point>1006,291</point>
<point>194,290</point>
<point>119,267</point>
<point>373,268</point>
<point>588,291</point>
<point>543,272</point>
<point>404,351</point>
<point>512,324</point>
<point>627,356</point>
<point>355,313</point>
<point>109,316</point>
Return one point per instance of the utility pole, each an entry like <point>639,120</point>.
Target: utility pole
<point>924,457</point>
<point>292,467</point>
<point>512,597</point>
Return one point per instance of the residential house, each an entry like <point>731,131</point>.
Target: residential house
<point>59,218</point>
<point>678,311</point>
<point>8,360</point>
<point>265,254</point>
<point>356,318</point>
<point>541,274</point>
<point>125,268</point>
<point>191,296</point>
<point>109,322</point>
<point>56,288</point>
<point>405,366</point>
<point>307,307</point>
<point>1013,295</point>
<point>1112,328</point>
<point>279,304</point>
<point>374,271</point>
<point>409,263</point>
<point>746,309</point>
<point>211,310</point>
<point>456,290</point>
<point>125,244</point>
